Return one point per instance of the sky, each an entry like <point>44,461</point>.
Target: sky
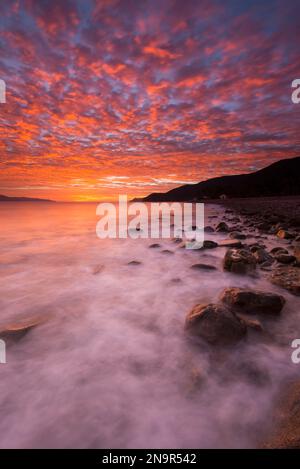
<point>108,97</point>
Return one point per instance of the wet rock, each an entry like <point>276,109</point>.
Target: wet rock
<point>222,227</point>
<point>176,280</point>
<point>297,252</point>
<point>230,243</point>
<point>253,301</point>
<point>97,269</point>
<point>209,229</point>
<point>279,249</point>
<point>284,258</point>
<point>167,251</point>
<point>252,372</point>
<point>215,324</point>
<point>287,277</point>
<point>263,226</point>
<point>252,324</point>
<point>284,234</point>
<point>261,255</point>
<point>134,263</point>
<point>239,261</point>
<point>203,267</point>
<point>295,222</point>
<point>286,420</point>
<point>208,244</point>
<point>256,246</point>
<point>237,235</point>
<point>14,332</point>
<point>267,265</point>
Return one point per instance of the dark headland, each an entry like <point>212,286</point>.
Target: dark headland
<point>4,198</point>
<point>281,178</point>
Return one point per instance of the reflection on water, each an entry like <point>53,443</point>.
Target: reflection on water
<point>111,367</point>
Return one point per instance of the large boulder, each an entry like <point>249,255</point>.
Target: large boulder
<point>287,277</point>
<point>239,261</point>
<point>215,324</point>
<point>253,301</point>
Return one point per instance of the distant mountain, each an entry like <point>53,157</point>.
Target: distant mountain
<point>279,179</point>
<point>4,198</point>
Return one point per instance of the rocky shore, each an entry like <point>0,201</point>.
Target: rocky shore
<point>275,256</point>
<point>232,307</point>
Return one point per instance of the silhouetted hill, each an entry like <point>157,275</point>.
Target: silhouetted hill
<point>279,179</point>
<point>4,198</point>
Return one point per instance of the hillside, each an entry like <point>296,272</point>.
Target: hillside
<point>279,179</point>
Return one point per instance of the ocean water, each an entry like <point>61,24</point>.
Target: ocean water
<point>111,366</point>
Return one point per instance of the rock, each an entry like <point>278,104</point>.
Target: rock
<point>97,269</point>
<point>267,265</point>
<point>273,219</point>
<point>237,235</point>
<point>239,261</point>
<point>167,251</point>
<point>287,277</point>
<point>256,246</point>
<point>203,267</point>
<point>222,227</point>
<point>208,229</point>
<point>283,234</point>
<point>208,244</point>
<point>252,371</point>
<point>279,249</point>
<point>261,255</point>
<point>230,243</point>
<point>215,324</point>
<point>297,252</point>
<point>253,324</point>
<point>253,301</point>
<point>284,258</point>
<point>176,280</point>
<point>263,226</point>
<point>286,420</point>
<point>13,332</point>
<point>134,263</point>
<point>295,222</point>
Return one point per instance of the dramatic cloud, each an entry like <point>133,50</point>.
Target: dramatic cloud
<point>123,96</point>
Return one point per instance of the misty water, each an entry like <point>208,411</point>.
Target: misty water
<point>111,365</point>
